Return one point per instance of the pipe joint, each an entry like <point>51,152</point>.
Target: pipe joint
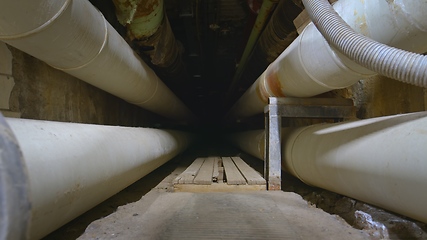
<point>40,28</point>
<point>101,48</point>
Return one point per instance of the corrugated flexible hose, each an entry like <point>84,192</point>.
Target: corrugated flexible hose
<point>391,62</point>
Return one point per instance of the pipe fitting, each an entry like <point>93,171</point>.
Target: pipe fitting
<point>13,27</point>
<point>63,49</point>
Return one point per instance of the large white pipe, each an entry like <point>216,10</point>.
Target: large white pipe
<point>73,36</point>
<point>73,167</point>
<point>309,66</point>
<point>381,161</point>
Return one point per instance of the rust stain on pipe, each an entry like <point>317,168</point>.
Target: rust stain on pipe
<point>273,84</point>
<point>269,86</point>
<point>278,34</point>
<point>145,9</point>
<point>163,51</point>
<point>150,34</point>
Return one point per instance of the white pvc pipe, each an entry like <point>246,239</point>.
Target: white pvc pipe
<point>309,66</point>
<point>73,36</point>
<point>395,63</point>
<point>73,167</point>
<point>251,142</point>
<point>381,161</point>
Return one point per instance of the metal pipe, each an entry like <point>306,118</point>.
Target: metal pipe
<point>73,167</point>
<point>309,66</point>
<point>265,11</point>
<point>380,161</point>
<point>278,34</point>
<point>73,36</point>
<point>149,30</point>
<point>141,18</point>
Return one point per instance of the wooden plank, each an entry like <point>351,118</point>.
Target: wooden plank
<point>204,176</point>
<point>218,187</point>
<point>221,174</point>
<point>251,176</point>
<point>215,172</point>
<point>232,174</point>
<point>188,175</point>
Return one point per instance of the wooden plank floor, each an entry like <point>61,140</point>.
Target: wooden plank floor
<point>219,174</point>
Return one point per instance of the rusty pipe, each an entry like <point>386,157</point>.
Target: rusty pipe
<point>149,31</point>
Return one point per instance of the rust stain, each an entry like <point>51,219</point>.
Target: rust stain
<point>145,9</point>
<point>274,85</point>
<point>123,4</point>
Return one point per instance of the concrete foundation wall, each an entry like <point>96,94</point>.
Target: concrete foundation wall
<point>31,89</point>
<point>381,96</point>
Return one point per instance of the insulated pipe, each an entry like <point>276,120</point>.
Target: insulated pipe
<point>381,161</point>
<point>73,36</point>
<point>142,18</point>
<point>309,66</point>
<point>73,167</point>
<point>149,29</point>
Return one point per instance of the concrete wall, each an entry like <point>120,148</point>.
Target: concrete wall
<point>31,89</point>
<point>381,96</point>
<point>6,79</point>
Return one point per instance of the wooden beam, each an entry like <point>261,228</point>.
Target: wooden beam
<point>232,174</point>
<point>251,176</point>
<point>204,176</point>
<point>190,173</point>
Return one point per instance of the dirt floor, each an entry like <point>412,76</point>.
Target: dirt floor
<point>251,215</point>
